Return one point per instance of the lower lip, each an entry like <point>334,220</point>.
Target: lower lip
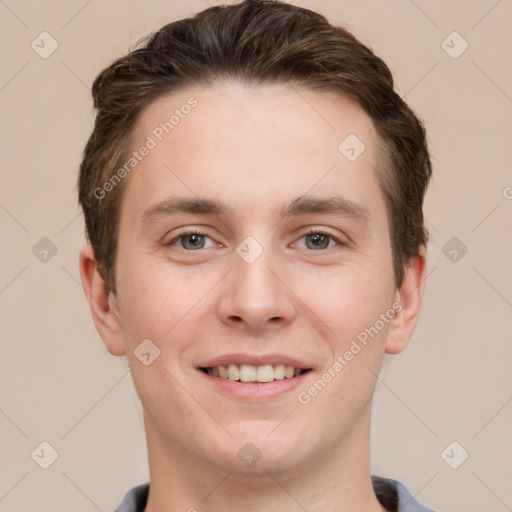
<point>255,391</point>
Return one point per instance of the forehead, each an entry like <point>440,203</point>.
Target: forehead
<point>289,113</point>
<point>252,145</point>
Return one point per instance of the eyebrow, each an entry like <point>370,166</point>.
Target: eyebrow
<point>303,205</point>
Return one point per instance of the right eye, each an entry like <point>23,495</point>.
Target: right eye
<point>190,240</point>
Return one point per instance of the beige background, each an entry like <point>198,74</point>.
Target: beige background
<point>453,383</point>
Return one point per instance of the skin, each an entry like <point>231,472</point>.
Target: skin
<point>255,149</point>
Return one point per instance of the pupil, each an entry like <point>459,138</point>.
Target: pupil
<point>318,240</point>
<point>193,240</point>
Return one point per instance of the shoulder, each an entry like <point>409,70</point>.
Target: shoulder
<point>394,496</point>
<point>135,499</point>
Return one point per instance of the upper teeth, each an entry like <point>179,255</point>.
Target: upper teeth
<point>250,373</point>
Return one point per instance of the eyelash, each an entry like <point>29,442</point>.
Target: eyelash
<point>309,232</point>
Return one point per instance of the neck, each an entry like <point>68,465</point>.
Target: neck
<point>335,481</point>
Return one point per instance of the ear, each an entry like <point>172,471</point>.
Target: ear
<point>409,295</point>
<point>102,302</point>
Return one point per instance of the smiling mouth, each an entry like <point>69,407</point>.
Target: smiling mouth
<point>248,373</point>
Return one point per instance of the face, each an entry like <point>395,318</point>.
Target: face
<point>252,245</point>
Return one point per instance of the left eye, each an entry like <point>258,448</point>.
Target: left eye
<point>319,240</point>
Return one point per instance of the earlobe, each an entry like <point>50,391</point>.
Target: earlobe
<point>409,295</point>
<point>102,302</point>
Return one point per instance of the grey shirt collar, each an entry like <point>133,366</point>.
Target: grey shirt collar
<point>136,499</point>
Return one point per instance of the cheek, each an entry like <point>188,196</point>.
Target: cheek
<point>149,305</point>
<point>161,302</point>
<point>348,299</point>
<point>352,306</point>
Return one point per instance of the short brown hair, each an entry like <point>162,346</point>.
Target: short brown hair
<point>255,42</point>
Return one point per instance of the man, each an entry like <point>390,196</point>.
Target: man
<point>253,193</point>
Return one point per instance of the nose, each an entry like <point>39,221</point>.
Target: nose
<point>254,297</point>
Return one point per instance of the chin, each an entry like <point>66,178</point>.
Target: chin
<point>259,449</point>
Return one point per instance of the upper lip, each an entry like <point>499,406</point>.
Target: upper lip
<point>255,360</point>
